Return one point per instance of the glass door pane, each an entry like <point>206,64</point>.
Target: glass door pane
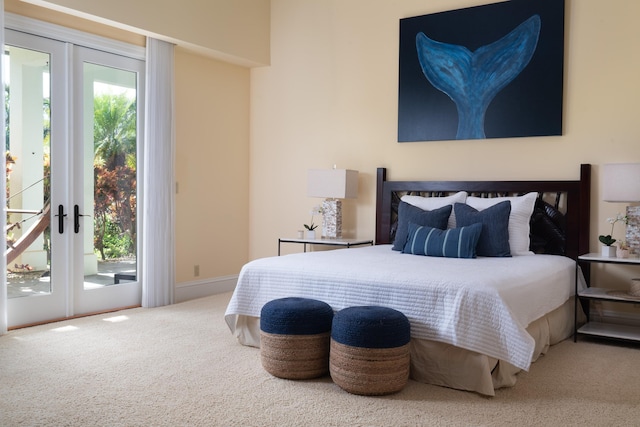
<point>108,102</point>
<point>27,146</point>
<point>37,167</point>
<point>110,165</point>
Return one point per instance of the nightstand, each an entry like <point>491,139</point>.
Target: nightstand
<point>345,243</point>
<point>594,293</point>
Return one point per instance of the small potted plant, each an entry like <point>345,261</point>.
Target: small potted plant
<point>608,250</point>
<point>311,227</point>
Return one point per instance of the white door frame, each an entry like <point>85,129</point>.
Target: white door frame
<point>112,296</point>
<point>21,310</point>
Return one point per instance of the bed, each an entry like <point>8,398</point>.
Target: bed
<point>478,315</point>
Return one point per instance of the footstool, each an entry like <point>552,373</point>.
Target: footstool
<point>370,352</point>
<point>294,337</point>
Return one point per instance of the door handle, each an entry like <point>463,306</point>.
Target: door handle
<point>61,216</point>
<point>76,218</point>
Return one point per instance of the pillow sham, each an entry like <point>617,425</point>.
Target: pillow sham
<point>407,213</point>
<point>494,239</point>
<point>450,243</point>
<point>519,218</point>
<point>431,203</point>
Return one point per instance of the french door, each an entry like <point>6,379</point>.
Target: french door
<point>74,120</point>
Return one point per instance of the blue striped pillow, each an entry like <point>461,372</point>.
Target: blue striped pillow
<point>408,213</point>
<point>458,242</point>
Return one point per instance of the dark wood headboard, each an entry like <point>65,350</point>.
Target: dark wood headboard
<point>575,194</point>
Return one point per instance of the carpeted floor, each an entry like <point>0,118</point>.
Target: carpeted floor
<point>180,366</point>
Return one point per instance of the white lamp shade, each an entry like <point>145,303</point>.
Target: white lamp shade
<point>332,183</point>
<point>621,182</point>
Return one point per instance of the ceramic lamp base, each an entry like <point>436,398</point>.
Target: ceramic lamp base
<point>332,219</point>
<point>633,229</point>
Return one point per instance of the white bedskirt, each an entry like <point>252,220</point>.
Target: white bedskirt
<point>442,364</point>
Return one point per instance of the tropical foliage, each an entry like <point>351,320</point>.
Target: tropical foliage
<point>114,174</point>
<point>114,135</point>
<point>114,167</point>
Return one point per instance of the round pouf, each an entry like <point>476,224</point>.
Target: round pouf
<point>370,350</point>
<point>294,337</point>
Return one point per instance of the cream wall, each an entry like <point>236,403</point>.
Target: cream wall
<point>25,9</point>
<point>330,97</point>
<point>233,30</point>
<point>212,166</point>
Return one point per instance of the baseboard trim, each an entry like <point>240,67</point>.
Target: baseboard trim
<point>201,288</point>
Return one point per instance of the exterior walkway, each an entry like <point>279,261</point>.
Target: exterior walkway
<point>38,282</point>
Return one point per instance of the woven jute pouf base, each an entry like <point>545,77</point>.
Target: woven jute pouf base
<point>295,357</point>
<point>369,371</point>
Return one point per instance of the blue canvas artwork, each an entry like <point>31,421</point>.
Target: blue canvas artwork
<point>493,71</point>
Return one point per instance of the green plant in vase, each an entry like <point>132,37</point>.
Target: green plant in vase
<point>311,227</point>
<point>608,240</point>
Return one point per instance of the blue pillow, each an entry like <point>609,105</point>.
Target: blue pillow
<point>494,239</point>
<point>452,243</point>
<point>407,213</point>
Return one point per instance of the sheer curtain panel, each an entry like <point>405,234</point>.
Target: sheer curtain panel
<point>158,260</point>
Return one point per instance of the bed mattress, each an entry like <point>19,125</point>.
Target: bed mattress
<point>483,305</point>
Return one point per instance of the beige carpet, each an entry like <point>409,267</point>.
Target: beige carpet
<point>180,366</point>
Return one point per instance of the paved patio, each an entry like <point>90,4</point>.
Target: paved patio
<point>21,284</point>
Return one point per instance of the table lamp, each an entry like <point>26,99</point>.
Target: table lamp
<point>332,185</point>
<point>621,183</point>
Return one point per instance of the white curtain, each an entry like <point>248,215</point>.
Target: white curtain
<point>3,196</point>
<point>158,260</point>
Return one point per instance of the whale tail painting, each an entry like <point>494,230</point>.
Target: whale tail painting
<point>473,79</point>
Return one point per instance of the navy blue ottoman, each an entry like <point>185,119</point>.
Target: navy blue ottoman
<point>294,337</point>
<point>370,352</point>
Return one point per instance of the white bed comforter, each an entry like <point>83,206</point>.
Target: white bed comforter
<point>481,304</point>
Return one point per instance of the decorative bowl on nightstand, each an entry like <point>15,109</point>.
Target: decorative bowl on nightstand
<point>622,253</point>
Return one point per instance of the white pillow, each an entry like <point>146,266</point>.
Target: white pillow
<point>431,203</point>
<point>521,211</point>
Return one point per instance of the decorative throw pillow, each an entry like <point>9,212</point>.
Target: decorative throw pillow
<point>407,213</point>
<point>451,243</point>
<point>519,218</point>
<point>494,239</point>
<point>431,203</point>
